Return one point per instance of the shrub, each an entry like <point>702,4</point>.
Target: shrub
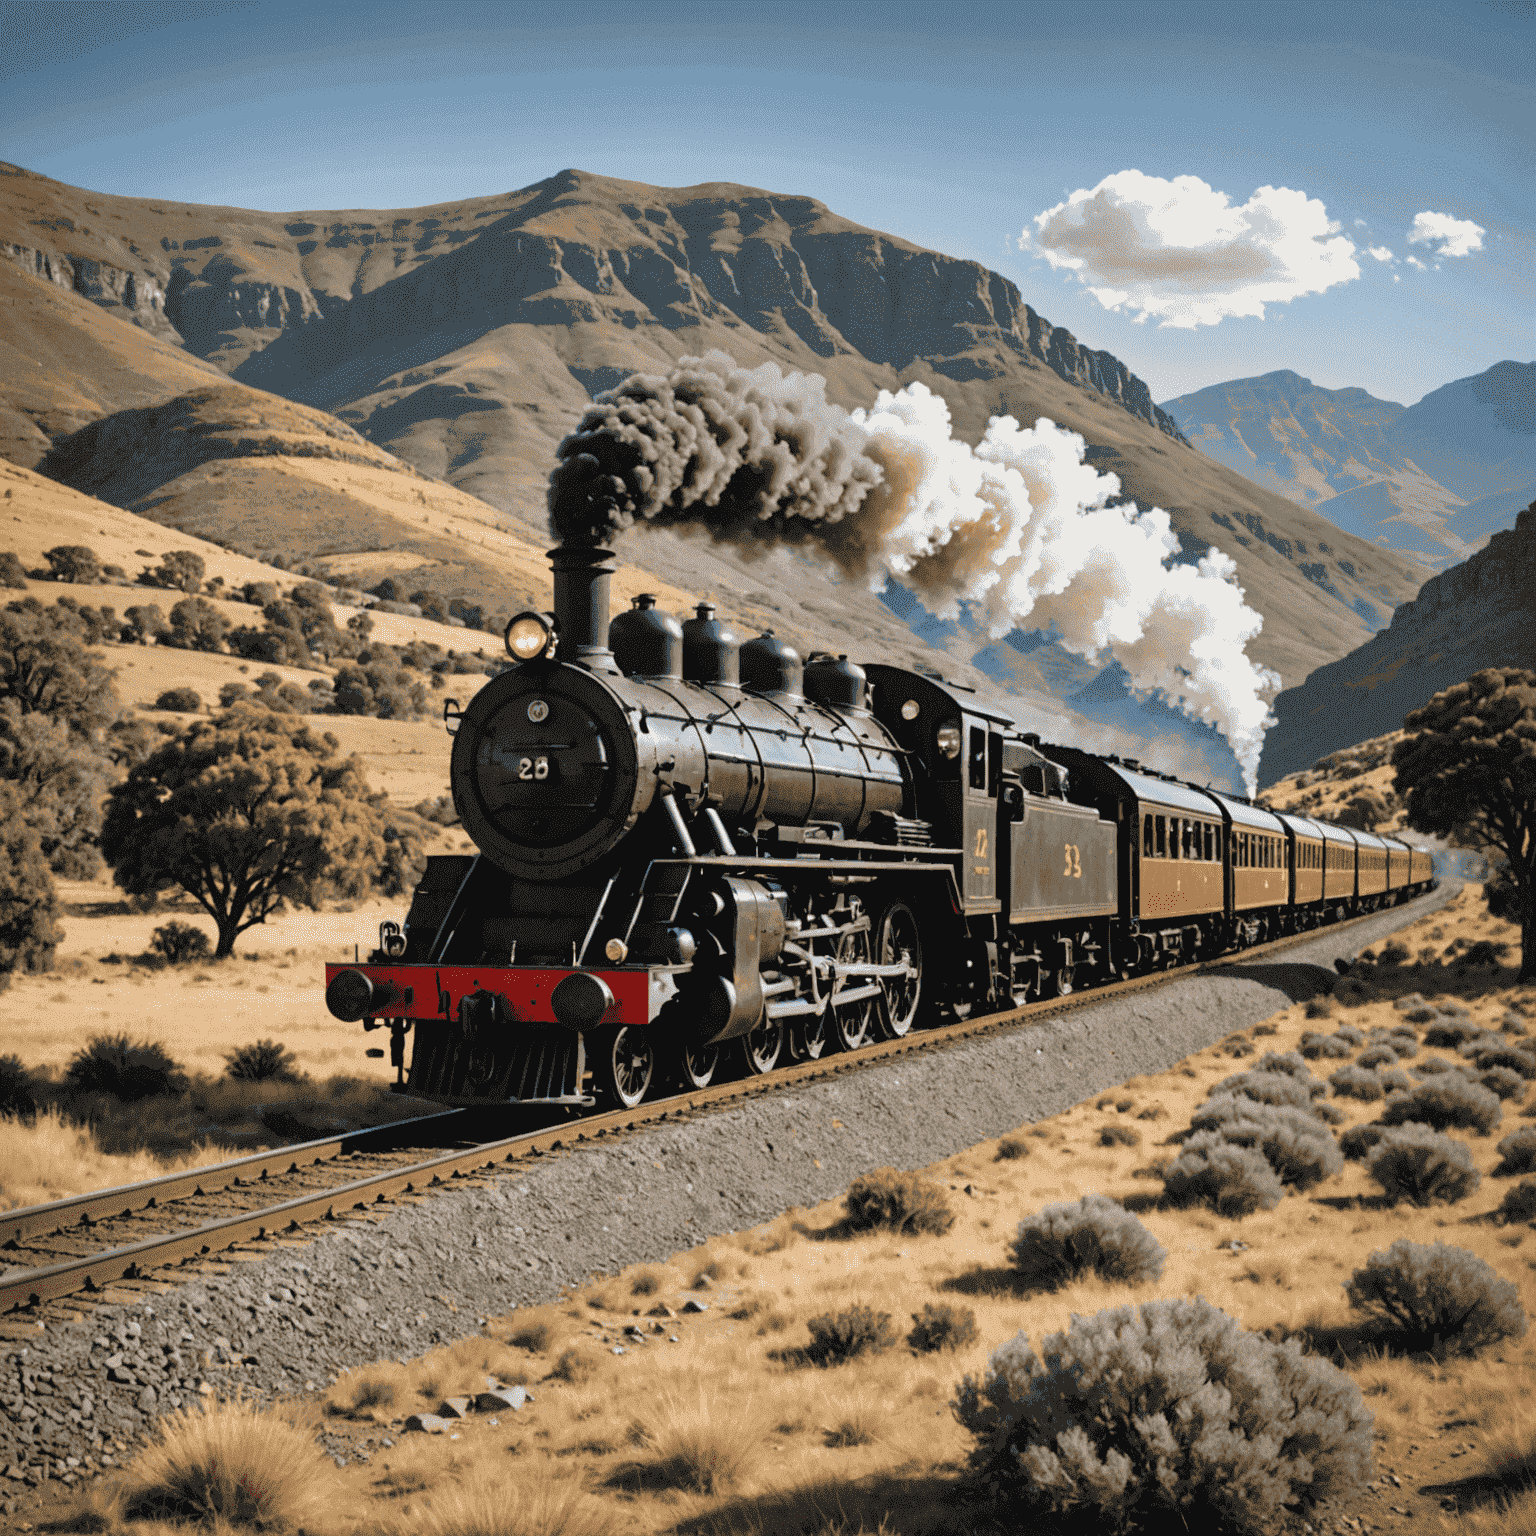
<point>1314,1046</point>
<point>1439,1297</point>
<point>1420,1014</point>
<point>901,1202</point>
<point>1010,1149</point>
<point>1233,1181</point>
<point>17,1098</point>
<point>1358,1140</point>
<point>1519,1203</point>
<point>196,625</point>
<point>574,1367</point>
<point>534,1337</point>
<point>1164,1416</point>
<point>1395,1081</point>
<point>1355,1082</point>
<point>1432,1066</point>
<point>1523,1062</point>
<point>264,1061</point>
<point>13,573</point>
<point>942,1327</point>
<point>1096,1234</point>
<point>1287,1062</point>
<point>1449,1032</point>
<point>180,943</point>
<point>1300,1150</point>
<point>1351,1034</point>
<point>114,1064</point>
<point>1449,1099</point>
<point>1271,1088</point>
<point>836,1339</point>
<point>1413,1162</point>
<point>1517,1152</point>
<point>185,701</point>
<point>181,570</point>
<point>1376,1056</point>
<point>1319,1007</point>
<point>1500,1080</point>
<point>1119,1136</point>
<point>29,904</point>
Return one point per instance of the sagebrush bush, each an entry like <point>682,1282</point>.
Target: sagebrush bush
<point>839,1337</point>
<point>1233,1181</point>
<point>1394,1080</point>
<point>1011,1148</point>
<point>1449,1032</point>
<point>1523,1062</point>
<point>1374,1056</point>
<point>1500,1080</point>
<point>1413,1162</point>
<point>1519,1203</point>
<point>185,701</point>
<point>1271,1088</point>
<point>1296,1145</point>
<point>180,943</point>
<point>1356,1082</point>
<point>899,1202</point>
<point>1167,1416</point>
<point>1319,1007</point>
<point>1437,1297</point>
<point>1449,1099</point>
<point>1358,1140</point>
<point>263,1061</point>
<point>1351,1034</point>
<point>1432,1066</point>
<point>1119,1136</point>
<point>1517,1152</point>
<point>1288,1062</point>
<point>114,1064</point>
<point>940,1326</point>
<point>1060,1242</point>
<point>1331,1047</point>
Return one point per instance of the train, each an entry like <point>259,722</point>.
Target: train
<point>698,856</point>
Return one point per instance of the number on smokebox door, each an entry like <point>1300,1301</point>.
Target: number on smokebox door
<point>533,768</point>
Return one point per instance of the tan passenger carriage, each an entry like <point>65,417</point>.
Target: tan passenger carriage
<point>1258,872</point>
<point>1370,865</point>
<point>1307,846</point>
<point>1338,864</point>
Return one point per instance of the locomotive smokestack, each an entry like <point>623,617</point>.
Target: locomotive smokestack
<point>581,604</point>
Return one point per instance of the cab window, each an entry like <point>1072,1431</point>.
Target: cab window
<point>978,758</point>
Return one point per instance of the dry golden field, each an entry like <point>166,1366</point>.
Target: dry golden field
<point>726,1430</point>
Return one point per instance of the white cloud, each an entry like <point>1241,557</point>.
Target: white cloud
<point>1413,261</point>
<point>1452,237</point>
<point>1179,250</point>
<point>1380,252</point>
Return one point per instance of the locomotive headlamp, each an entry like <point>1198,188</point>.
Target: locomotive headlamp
<point>911,710</point>
<point>528,635</point>
<point>948,738</point>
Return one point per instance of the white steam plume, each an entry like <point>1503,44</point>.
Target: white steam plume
<point>1018,528</point>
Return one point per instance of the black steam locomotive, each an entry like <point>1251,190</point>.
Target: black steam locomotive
<point>698,855</point>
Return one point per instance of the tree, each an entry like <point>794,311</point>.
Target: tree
<point>244,813</point>
<point>1467,770</point>
<point>29,908</point>
<point>1365,811</point>
<point>196,625</point>
<point>180,569</point>
<point>46,668</point>
<point>12,572</point>
<point>57,779</point>
<point>73,562</point>
<point>143,624</point>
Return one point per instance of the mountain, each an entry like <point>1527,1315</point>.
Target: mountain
<point>1432,480</point>
<point>1481,613</point>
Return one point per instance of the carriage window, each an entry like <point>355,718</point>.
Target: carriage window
<point>1210,841</point>
<point>978,758</point>
<point>1146,836</point>
<point>1173,837</point>
<point>1162,837</point>
<point>1191,832</point>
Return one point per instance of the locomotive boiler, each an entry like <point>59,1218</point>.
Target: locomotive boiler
<point>697,855</point>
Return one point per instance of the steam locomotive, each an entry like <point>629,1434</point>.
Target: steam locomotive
<point>699,856</point>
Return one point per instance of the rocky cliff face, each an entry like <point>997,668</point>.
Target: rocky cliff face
<point>133,296</point>
<point>1478,614</point>
<point>467,338</point>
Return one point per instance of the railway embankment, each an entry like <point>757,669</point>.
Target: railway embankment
<point>289,1317</point>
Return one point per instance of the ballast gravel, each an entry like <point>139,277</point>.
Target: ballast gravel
<point>429,1273</point>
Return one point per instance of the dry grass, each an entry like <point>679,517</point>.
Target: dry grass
<point>231,1464</point>
<point>50,1157</point>
<point>538,1501</point>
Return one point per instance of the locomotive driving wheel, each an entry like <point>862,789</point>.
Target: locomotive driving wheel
<point>623,1064</point>
<point>761,1049</point>
<point>897,942</point>
<point>698,1064</point>
<point>852,1023</point>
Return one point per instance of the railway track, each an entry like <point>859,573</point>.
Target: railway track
<point>90,1242</point>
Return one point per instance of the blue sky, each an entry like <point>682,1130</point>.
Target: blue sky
<point>956,126</point>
